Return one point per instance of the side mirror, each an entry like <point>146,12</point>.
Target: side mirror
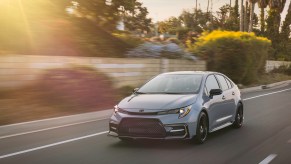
<point>134,90</point>
<point>215,92</point>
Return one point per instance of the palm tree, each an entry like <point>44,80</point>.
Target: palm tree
<point>246,16</point>
<point>252,5</point>
<point>241,24</point>
<point>277,4</point>
<point>286,24</point>
<point>262,5</point>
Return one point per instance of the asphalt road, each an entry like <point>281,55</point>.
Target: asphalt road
<point>265,137</point>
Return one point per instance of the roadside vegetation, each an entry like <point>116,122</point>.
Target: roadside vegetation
<point>239,55</point>
<point>58,92</point>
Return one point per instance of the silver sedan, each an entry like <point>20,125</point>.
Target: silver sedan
<point>178,105</point>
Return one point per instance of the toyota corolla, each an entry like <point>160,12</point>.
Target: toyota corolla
<point>178,105</point>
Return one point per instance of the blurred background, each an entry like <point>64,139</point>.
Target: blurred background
<point>61,57</point>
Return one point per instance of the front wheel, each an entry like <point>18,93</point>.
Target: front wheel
<point>202,128</point>
<point>238,117</point>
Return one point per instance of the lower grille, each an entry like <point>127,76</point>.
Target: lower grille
<point>137,127</point>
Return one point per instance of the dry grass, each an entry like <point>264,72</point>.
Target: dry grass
<point>269,79</point>
<point>57,93</point>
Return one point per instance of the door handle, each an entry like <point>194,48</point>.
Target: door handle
<point>233,93</point>
<point>223,97</point>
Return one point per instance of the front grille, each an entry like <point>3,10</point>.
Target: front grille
<point>139,127</point>
<point>137,113</point>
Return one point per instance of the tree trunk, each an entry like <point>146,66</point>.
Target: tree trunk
<point>241,25</point>
<point>207,6</point>
<point>262,16</point>
<point>286,24</point>
<point>251,17</point>
<point>246,25</point>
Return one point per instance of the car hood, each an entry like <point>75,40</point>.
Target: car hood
<point>156,102</point>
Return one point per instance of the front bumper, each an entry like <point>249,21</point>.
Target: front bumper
<point>147,128</point>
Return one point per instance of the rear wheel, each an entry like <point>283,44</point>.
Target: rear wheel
<point>202,128</point>
<point>238,117</point>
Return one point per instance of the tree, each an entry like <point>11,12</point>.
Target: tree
<point>252,8</point>
<point>262,5</point>
<point>273,24</point>
<point>170,25</point>
<point>133,14</point>
<point>197,20</point>
<point>286,24</point>
<point>241,24</point>
<point>246,16</point>
<point>227,18</point>
<point>285,35</point>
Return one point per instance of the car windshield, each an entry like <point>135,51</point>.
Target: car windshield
<point>173,84</point>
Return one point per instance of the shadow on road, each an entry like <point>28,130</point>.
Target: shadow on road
<point>174,144</point>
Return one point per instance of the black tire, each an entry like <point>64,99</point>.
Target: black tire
<point>202,128</point>
<point>238,117</point>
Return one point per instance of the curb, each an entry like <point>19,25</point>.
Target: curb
<point>263,87</point>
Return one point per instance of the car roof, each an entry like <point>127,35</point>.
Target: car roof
<point>190,72</point>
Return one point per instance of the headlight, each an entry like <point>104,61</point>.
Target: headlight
<point>181,111</point>
<point>116,109</point>
<point>184,111</point>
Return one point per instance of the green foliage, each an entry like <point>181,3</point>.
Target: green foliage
<point>182,33</point>
<point>170,25</point>
<point>196,21</point>
<point>227,18</point>
<point>128,38</point>
<point>284,69</point>
<point>240,55</point>
<point>133,14</point>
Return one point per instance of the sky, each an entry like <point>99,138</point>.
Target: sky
<point>162,9</point>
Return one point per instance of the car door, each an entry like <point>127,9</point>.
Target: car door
<point>233,92</point>
<point>227,99</point>
<point>214,104</point>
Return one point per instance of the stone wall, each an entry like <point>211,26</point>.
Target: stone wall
<point>19,70</point>
<point>271,64</point>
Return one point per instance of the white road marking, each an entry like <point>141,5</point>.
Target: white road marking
<point>266,94</point>
<point>51,128</point>
<point>268,159</point>
<point>51,145</point>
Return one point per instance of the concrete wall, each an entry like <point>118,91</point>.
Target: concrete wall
<point>271,64</point>
<point>19,70</point>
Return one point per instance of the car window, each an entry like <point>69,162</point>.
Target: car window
<point>173,83</point>
<point>228,83</point>
<point>222,82</point>
<point>211,83</point>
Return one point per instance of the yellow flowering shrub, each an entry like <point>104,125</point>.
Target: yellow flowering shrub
<point>240,55</point>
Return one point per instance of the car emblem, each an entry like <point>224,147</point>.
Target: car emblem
<point>141,110</point>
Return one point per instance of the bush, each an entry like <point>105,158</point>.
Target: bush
<point>283,69</point>
<point>128,38</point>
<point>239,55</point>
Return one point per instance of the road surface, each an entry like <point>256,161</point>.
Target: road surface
<point>264,138</point>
